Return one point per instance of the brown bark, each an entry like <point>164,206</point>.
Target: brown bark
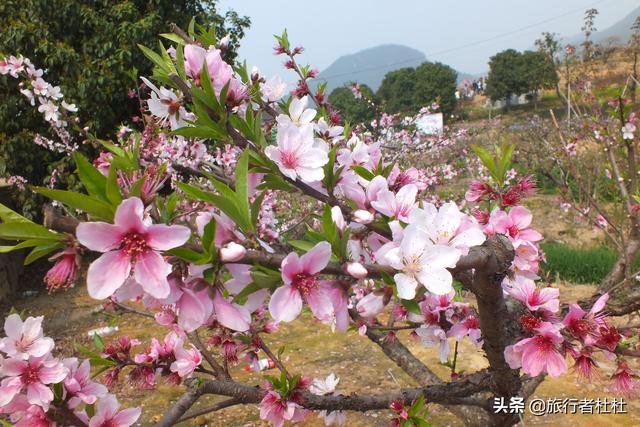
<point>494,319</point>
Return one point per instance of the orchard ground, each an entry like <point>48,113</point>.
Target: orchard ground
<point>312,349</point>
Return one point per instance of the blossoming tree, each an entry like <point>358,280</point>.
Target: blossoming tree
<point>180,218</point>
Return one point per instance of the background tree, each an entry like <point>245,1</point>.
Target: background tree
<point>538,71</point>
<point>505,75</point>
<point>396,90</point>
<point>549,44</point>
<point>410,89</point>
<point>435,82</point>
<point>589,28</point>
<point>352,109</point>
<point>89,49</point>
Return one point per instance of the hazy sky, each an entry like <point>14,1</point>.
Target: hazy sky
<point>453,32</point>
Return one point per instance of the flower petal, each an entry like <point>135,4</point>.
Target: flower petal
<point>151,272</point>
<point>127,417</point>
<point>285,304</point>
<point>164,237</point>
<point>316,258</point>
<point>99,236</point>
<point>406,285</point>
<point>107,274</point>
<point>129,215</point>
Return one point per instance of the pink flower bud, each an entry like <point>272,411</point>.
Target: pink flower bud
<point>362,216</point>
<point>372,304</point>
<point>232,252</point>
<point>338,219</point>
<point>357,270</point>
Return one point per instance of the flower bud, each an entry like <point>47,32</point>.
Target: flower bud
<point>357,270</point>
<point>232,252</point>
<point>371,305</point>
<point>363,216</point>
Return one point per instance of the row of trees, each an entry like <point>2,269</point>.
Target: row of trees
<point>405,90</point>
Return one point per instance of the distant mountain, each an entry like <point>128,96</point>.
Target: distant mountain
<point>369,66</point>
<point>621,30</point>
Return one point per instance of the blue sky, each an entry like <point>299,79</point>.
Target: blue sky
<point>453,32</point>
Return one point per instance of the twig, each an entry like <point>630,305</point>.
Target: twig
<point>132,310</point>
<point>273,357</point>
<point>219,370</point>
<point>215,407</point>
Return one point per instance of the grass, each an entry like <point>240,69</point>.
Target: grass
<point>579,265</point>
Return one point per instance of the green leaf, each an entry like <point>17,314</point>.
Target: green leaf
<point>155,58</point>
<point>242,188</point>
<point>94,207</point>
<point>112,148</point>
<point>40,251</point>
<point>174,38</point>
<point>189,255</point>
<point>26,231</point>
<point>91,178</point>
<point>208,237</point>
<point>26,244</point>
<point>411,306</point>
<point>98,342</point>
<point>8,215</point>
<point>136,188</point>
<point>302,245</point>
<point>363,172</point>
<point>113,188</point>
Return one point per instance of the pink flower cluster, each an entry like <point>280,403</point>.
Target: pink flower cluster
<point>30,371</point>
<point>50,100</point>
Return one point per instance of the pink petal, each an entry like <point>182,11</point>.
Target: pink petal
<point>151,272</point>
<point>320,304</point>
<point>32,328</point>
<point>600,303</point>
<point>192,311</point>
<point>129,215</point>
<point>164,237</point>
<point>127,417</point>
<point>290,267</point>
<point>107,274</point>
<point>13,326</point>
<point>521,217</point>
<point>231,315</point>
<point>107,407</point>
<point>13,367</point>
<point>39,394</point>
<point>317,258</point>
<point>41,346</point>
<point>9,388</point>
<point>52,374</point>
<point>99,236</point>
<point>285,304</point>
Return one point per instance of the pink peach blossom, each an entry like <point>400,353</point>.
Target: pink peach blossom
<point>130,244</point>
<point>107,414</point>
<point>25,339</point>
<point>78,383</point>
<point>541,352</point>
<point>35,375</point>
<point>301,283</point>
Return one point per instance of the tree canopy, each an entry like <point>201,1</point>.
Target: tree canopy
<point>409,89</point>
<point>515,73</point>
<point>90,50</point>
<point>353,110</point>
